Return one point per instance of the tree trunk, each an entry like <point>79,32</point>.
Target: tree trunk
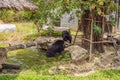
<point>86,29</point>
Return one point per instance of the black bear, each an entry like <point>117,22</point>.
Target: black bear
<point>66,36</point>
<point>55,48</point>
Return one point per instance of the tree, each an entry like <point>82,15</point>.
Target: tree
<point>44,12</point>
<point>92,9</point>
<point>97,11</point>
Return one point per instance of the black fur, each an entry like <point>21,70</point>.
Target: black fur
<point>66,36</point>
<point>55,48</point>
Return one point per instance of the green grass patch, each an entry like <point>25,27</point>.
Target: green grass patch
<point>36,61</point>
<point>50,33</point>
<point>101,75</point>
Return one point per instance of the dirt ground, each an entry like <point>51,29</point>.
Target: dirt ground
<point>107,60</point>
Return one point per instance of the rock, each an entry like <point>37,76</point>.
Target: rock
<point>60,29</point>
<point>7,27</point>
<point>77,53</point>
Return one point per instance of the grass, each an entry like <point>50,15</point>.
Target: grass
<point>26,31</point>
<point>35,65</point>
<point>35,60</point>
<point>101,75</point>
<point>23,30</point>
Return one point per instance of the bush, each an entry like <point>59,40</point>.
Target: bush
<point>50,32</point>
<point>10,16</point>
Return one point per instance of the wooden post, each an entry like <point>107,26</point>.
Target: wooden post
<point>38,28</point>
<point>117,17</point>
<point>79,24</point>
<point>91,39</point>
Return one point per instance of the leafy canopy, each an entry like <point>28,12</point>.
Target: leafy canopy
<point>55,8</point>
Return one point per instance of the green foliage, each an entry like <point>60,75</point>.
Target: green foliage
<point>43,12</point>
<point>50,33</point>
<point>22,16</point>
<point>55,33</point>
<point>119,11</point>
<point>6,15</point>
<point>12,16</point>
<point>53,9</point>
<point>113,22</point>
<point>96,29</point>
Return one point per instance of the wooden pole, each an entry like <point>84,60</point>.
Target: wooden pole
<point>116,16</point>
<point>79,24</point>
<point>91,39</point>
<point>37,24</point>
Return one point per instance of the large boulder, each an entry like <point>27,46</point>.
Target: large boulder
<point>77,52</point>
<point>7,27</point>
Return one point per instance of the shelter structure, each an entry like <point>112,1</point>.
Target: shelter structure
<point>18,5</point>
